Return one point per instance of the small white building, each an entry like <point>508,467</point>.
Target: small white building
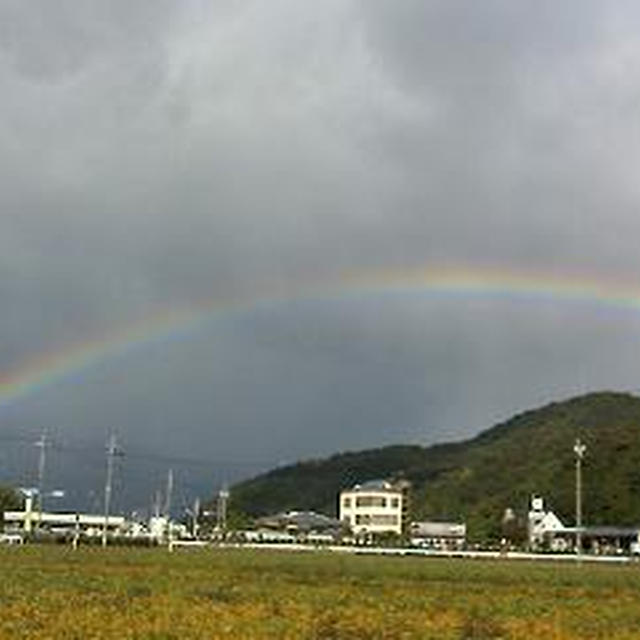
<point>547,530</point>
<point>301,523</point>
<point>88,524</point>
<point>543,525</point>
<point>163,529</point>
<point>373,507</point>
<point>439,535</point>
<point>60,523</point>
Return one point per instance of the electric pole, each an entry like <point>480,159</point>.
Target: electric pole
<point>579,449</point>
<point>157,498</point>
<point>112,451</point>
<point>42,445</point>
<point>196,513</point>
<point>167,505</point>
<point>223,496</point>
<point>167,500</point>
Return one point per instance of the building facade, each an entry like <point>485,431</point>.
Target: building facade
<point>546,530</point>
<point>543,526</point>
<point>373,507</point>
<point>445,536</point>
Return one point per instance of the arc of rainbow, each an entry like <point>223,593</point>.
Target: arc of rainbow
<point>49,369</point>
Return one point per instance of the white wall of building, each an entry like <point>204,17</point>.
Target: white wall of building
<point>372,509</point>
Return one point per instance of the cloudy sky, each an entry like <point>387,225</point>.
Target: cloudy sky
<point>260,159</point>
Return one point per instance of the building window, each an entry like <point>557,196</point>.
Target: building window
<point>346,503</point>
<point>395,502</point>
<point>385,520</point>
<point>377,519</point>
<point>371,501</point>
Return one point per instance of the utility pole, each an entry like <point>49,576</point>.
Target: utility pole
<point>167,505</point>
<point>579,449</point>
<point>223,496</point>
<point>112,451</point>
<point>167,499</point>
<point>156,503</point>
<point>196,513</point>
<point>76,533</point>
<point>42,445</point>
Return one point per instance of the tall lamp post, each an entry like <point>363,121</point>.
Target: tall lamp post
<point>579,449</point>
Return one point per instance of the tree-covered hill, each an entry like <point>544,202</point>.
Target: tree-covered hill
<point>476,480</point>
<point>9,499</point>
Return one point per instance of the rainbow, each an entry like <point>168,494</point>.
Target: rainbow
<point>51,368</point>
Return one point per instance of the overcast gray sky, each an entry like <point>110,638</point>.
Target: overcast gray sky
<point>154,155</point>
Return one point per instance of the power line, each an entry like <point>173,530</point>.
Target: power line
<point>82,449</point>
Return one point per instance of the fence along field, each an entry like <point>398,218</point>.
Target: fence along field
<point>54,592</point>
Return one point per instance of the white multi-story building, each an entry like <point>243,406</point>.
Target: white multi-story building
<point>373,507</point>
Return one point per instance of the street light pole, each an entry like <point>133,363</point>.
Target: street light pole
<point>579,449</point>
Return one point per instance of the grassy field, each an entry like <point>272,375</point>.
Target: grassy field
<point>54,592</point>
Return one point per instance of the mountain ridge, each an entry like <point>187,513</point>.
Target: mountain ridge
<point>475,480</point>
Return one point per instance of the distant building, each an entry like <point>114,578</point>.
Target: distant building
<point>62,523</point>
<point>32,520</point>
<point>374,507</point>
<point>542,527</point>
<point>438,535</point>
<point>162,529</point>
<point>266,535</point>
<point>546,530</point>
<point>301,523</point>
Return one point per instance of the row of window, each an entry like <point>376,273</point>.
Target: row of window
<point>372,501</point>
<point>376,519</point>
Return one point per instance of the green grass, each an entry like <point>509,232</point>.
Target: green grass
<point>53,592</point>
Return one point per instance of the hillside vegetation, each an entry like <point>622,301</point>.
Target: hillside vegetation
<point>9,499</point>
<point>476,480</point>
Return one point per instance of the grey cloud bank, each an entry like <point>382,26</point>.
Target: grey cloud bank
<point>159,155</point>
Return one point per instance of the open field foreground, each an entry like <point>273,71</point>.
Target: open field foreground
<point>53,592</point>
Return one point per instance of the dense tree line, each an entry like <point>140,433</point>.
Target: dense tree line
<point>10,500</point>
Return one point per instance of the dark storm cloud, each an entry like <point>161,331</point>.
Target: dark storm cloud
<point>528,103</point>
<point>157,155</point>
